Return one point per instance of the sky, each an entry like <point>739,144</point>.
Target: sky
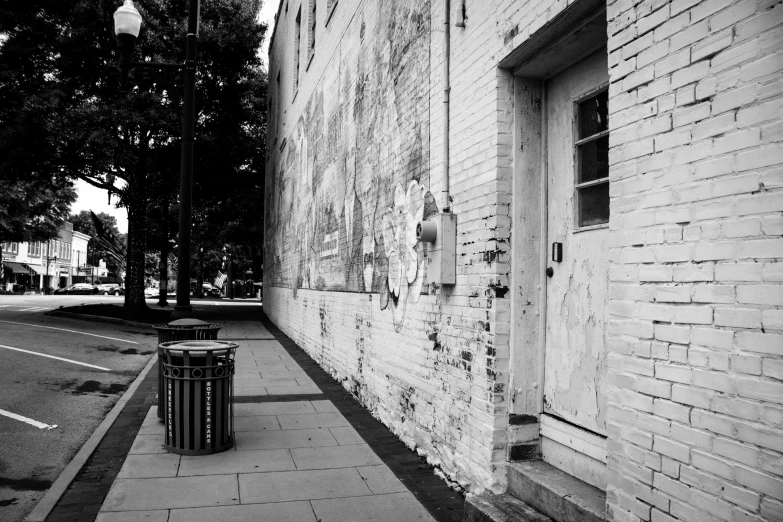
<point>95,199</point>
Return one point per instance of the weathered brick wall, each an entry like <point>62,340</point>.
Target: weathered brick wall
<point>432,364</point>
<point>366,123</point>
<point>696,364</point>
<point>694,317</point>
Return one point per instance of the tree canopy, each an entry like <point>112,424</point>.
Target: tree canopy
<point>62,112</point>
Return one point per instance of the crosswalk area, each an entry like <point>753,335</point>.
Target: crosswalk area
<point>22,308</point>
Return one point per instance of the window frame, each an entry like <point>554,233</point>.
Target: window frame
<point>330,5</point>
<point>297,50</point>
<point>312,24</point>
<point>577,164</point>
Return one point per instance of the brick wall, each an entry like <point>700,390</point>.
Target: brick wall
<point>365,123</point>
<point>695,314</point>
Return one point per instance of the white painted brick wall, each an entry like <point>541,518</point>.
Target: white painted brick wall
<point>695,318</point>
<point>720,58</point>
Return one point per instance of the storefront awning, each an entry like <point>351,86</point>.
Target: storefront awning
<point>37,269</point>
<point>16,268</point>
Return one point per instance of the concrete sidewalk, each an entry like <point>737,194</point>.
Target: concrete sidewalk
<point>294,460</point>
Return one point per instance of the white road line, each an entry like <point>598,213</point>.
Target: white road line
<point>55,357</point>
<point>71,331</point>
<point>35,423</point>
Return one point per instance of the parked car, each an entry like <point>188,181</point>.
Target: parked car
<point>151,291</point>
<point>209,290</point>
<point>110,288</point>
<point>78,288</point>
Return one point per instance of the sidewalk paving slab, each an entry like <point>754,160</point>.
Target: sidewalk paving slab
<point>395,507</point>
<point>257,488</point>
<point>170,493</point>
<point>281,511</point>
<point>251,461</point>
<point>249,440</point>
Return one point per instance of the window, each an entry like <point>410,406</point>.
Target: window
<point>34,249</point>
<point>330,4</point>
<point>297,39</point>
<point>10,248</point>
<point>592,160</point>
<point>311,34</point>
<point>276,108</point>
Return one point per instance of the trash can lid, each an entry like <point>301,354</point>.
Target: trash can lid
<point>200,346</point>
<point>188,322</point>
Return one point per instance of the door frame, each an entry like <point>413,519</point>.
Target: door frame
<point>571,36</point>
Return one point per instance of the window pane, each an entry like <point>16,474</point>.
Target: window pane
<point>594,205</point>
<point>594,115</point>
<point>594,159</point>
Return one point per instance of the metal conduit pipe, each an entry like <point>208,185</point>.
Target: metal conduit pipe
<point>446,93</point>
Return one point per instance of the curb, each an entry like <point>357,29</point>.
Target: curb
<point>96,318</point>
<point>53,495</point>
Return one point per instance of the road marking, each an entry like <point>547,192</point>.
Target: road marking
<point>55,357</point>
<point>35,423</point>
<point>71,331</point>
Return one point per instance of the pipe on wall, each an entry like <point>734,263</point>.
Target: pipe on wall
<point>446,93</point>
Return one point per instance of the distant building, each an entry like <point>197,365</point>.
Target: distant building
<point>33,267</point>
<point>600,296</point>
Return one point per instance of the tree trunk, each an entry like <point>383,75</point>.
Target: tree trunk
<point>2,270</point>
<point>137,240</point>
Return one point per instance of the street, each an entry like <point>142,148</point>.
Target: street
<point>61,377</point>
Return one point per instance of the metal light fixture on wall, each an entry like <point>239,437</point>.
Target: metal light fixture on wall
<point>461,15</point>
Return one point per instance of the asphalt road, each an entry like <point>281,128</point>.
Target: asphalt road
<point>48,392</point>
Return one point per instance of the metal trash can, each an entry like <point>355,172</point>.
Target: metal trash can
<point>198,377</point>
<point>180,330</point>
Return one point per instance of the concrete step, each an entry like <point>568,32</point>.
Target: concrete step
<point>555,493</point>
<point>499,508</point>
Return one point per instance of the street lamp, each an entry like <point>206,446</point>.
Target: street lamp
<point>200,292</point>
<point>127,23</point>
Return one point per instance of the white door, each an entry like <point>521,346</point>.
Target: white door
<point>573,423</point>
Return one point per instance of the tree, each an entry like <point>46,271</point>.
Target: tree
<point>33,210</point>
<point>34,197</point>
<point>129,144</point>
<point>82,222</point>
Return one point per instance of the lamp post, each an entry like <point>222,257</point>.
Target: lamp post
<point>127,24</point>
<point>200,292</point>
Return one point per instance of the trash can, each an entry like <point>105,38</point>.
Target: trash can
<point>198,378</point>
<point>181,330</point>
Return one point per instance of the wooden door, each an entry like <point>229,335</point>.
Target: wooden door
<point>574,405</point>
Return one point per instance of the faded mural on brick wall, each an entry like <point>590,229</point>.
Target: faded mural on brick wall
<point>353,182</point>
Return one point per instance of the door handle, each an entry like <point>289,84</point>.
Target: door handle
<point>550,271</point>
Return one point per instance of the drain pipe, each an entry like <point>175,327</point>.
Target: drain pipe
<point>446,93</point>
